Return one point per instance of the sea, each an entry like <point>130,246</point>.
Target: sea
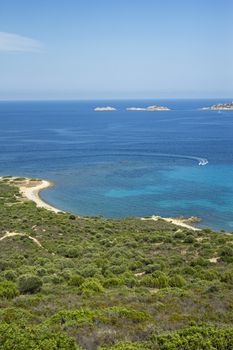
<point>125,163</point>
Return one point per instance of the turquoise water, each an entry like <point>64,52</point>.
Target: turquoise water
<point>123,163</point>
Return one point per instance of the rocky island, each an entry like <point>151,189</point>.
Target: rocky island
<point>221,107</point>
<point>105,109</point>
<point>149,108</point>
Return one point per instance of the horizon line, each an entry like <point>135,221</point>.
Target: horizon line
<point>109,99</point>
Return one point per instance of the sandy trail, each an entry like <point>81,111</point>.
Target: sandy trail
<point>12,234</point>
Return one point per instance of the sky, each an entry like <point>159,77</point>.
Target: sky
<point>104,49</point>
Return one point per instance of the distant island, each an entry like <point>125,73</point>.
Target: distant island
<point>221,107</point>
<point>149,108</point>
<point>105,109</point>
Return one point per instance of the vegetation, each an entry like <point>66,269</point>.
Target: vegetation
<point>96,283</point>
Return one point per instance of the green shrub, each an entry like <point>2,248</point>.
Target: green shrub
<point>189,239</point>
<point>148,281</point>
<point>76,280</point>
<point>13,337</point>
<point>3,265</point>
<point>177,281</point>
<point>152,267</point>
<point>212,289</point>
<point>8,290</point>
<point>68,251</point>
<point>200,262</point>
<point>119,312</point>
<point>227,277</point>
<point>10,275</point>
<point>208,275</point>
<point>90,286</point>
<point>41,272</point>
<point>118,269</point>
<point>127,346</point>
<point>195,337</point>
<point>130,282</point>
<point>71,252</point>
<point>226,254</point>
<point>15,315</point>
<point>90,271</point>
<point>29,284</point>
<point>157,280</point>
<point>162,280</point>
<point>112,282</point>
<point>179,235</point>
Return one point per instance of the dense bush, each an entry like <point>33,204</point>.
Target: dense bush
<point>76,280</point>
<point>227,254</point>
<point>13,337</point>
<point>177,281</point>
<point>193,338</point>
<point>8,290</point>
<point>90,286</point>
<point>17,316</point>
<point>111,283</point>
<point>128,346</point>
<point>10,275</point>
<point>227,277</point>
<point>161,279</point>
<point>29,284</point>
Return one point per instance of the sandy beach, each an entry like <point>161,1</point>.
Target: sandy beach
<point>30,190</point>
<point>175,221</point>
<point>33,193</point>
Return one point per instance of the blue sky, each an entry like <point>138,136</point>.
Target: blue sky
<point>116,49</point>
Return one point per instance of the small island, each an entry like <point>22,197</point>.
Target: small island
<point>149,108</point>
<point>221,107</point>
<point>104,109</point>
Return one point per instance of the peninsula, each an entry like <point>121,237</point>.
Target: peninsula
<point>105,109</point>
<point>149,108</point>
<point>221,107</point>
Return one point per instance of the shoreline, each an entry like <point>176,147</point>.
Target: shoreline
<point>175,221</point>
<point>30,190</point>
<point>33,193</point>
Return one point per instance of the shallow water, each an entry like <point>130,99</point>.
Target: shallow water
<point>124,163</point>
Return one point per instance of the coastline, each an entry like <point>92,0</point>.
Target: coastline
<point>33,193</point>
<point>175,221</point>
<point>30,190</point>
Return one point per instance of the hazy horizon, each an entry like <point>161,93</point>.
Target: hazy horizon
<point>113,99</point>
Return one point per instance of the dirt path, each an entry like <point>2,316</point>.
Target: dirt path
<point>12,234</point>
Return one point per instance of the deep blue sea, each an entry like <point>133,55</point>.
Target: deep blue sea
<point>124,163</point>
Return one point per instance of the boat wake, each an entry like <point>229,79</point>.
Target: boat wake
<point>200,161</point>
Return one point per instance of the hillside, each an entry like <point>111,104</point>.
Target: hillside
<point>69,282</point>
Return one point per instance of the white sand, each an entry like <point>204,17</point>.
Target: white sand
<point>32,193</point>
<point>177,222</point>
